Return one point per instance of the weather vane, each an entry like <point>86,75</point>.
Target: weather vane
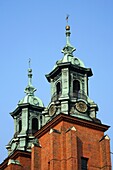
<point>29,63</point>
<point>67,17</point>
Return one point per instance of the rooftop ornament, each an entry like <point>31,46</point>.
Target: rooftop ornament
<point>29,90</point>
<point>68,49</point>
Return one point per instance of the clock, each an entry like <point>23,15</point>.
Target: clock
<point>76,61</point>
<point>35,101</point>
<point>81,106</point>
<point>52,110</point>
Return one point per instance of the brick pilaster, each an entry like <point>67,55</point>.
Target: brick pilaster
<point>36,157</point>
<point>71,149</point>
<point>55,149</point>
<point>105,153</point>
<point>63,148</point>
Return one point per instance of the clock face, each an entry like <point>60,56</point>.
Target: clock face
<point>77,61</point>
<point>35,101</point>
<point>81,106</point>
<point>52,110</point>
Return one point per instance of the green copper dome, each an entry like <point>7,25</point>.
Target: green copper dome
<point>30,98</point>
<point>73,60</point>
<point>33,100</point>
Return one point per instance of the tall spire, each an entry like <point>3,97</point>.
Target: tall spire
<point>68,49</point>
<point>29,90</point>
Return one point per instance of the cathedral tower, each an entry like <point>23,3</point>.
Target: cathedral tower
<point>69,86</point>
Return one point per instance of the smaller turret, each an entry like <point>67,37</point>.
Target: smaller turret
<point>27,119</point>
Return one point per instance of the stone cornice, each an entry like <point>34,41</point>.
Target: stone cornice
<point>66,118</point>
<point>14,156</point>
<point>71,66</point>
<point>26,105</point>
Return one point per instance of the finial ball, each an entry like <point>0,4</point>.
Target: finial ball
<point>67,27</point>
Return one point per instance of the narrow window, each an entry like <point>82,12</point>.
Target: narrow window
<point>76,86</point>
<point>34,124</point>
<point>48,165</point>
<point>58,88</point>
<point>84,162</point>
<point>20,126</point>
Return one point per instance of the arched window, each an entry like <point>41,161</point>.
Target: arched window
<point>58,88</point>
<point>34,124</point>
<point>76,86</point>
<point>20,126</point>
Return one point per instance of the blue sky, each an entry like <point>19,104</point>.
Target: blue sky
<point>36,29</point>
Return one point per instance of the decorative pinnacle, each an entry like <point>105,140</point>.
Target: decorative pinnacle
<point>30,89</point>
<point>68,49</point>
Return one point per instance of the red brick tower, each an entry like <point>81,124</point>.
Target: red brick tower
<point>66,135</point>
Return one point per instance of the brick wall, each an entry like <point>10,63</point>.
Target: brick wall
<point>63,141</point>
<point>63,145</point>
